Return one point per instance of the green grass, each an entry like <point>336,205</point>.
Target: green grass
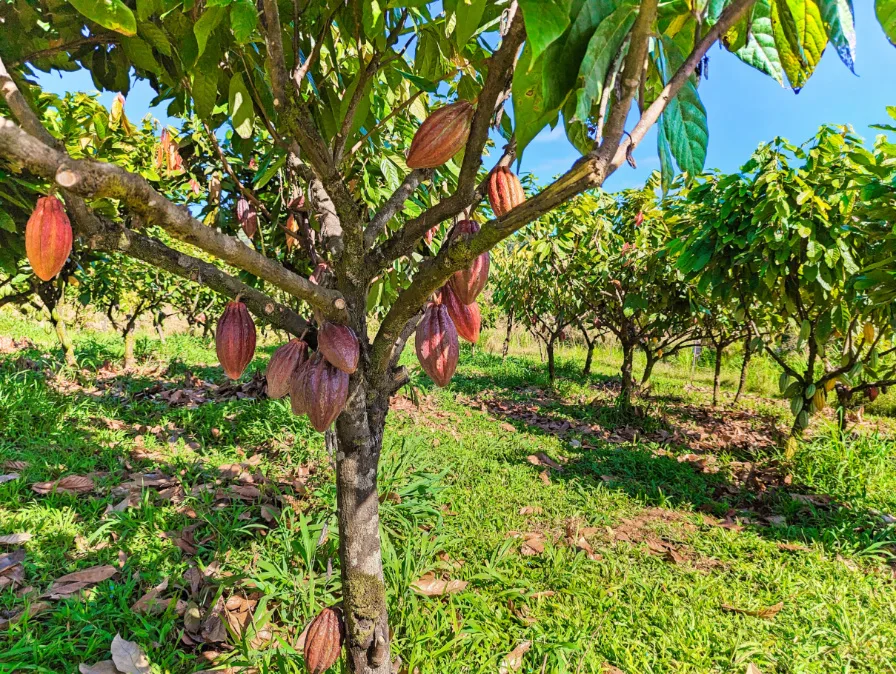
<point>454,478</point>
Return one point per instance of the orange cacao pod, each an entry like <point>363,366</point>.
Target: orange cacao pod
<point>323,641</point>
<point>48,238</point>
<point>282,366</point>
<point>235,339</point>
<point>247,217</point>
<point>466,317</point>
<point>468,283</point>
<point>324,392</point>
<point>339,346</point>
<point>436,343</point>
<point>293,227</point>
<point>441,136</point>
<point>505,192</point>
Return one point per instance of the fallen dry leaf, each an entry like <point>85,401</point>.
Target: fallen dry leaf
<point>542,459</point>
<point>430,586</point>
<point>513,661</point>
<point>9,478</point>
<point>128,657</point>
<point>72,484</point>
<point>102,667</point>
<point>15,465</point>
<point>530,510</point>
<point>150,603</point>
<point>753,669</point>
<point>14,539</point>
<point>545,476</point>
<point>766,613</point>
<point>80,580</point>
<point>15,616</point>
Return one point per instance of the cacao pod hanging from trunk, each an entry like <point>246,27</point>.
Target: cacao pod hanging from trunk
<point>339,346</point>
<point>468,283</point>
<point>467,318</point>
<point>235,339</point>
<point>48,238</point>
<point>323,640</point>
<point>441,136</point>
<point>505,192</point>
<point>324,392</point>
<point>436,344</point>
<point>247,217</point>
<point>282,366</point>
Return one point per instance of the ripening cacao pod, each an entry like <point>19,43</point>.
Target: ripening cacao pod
<point>436,343</point>
<point>468,283</point>
<point>873,393</point>
<point>323,641</point>
<point>282,366</point>
<point>818,400</point>
<point>235,339</point>
<point>441,136</point>
<point>247,217</point>
<point>868,332</point>
<point>324,392</point>
<point>504,191</point>
<point>297,389</point>
<point>466,317</point>
<point>339,346</point>
<point>830,384</point>
<point>48,238</point>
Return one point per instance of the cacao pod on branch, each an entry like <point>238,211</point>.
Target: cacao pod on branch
<point>48,238</point>
<point>441,136</point>
<point>436,344</point>
<point>247,217</point>
<point>339,346</point>
<point>468,283</point>
<point>324,392</point>
<point>505,192</point>
<point>467,318</point>
<point>282,366</point>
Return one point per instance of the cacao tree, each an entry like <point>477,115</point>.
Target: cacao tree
<point>319,100</point>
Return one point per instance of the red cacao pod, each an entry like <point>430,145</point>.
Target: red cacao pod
<point>323,640</point>
<point>441,136</point>
<point>436,343</point>
<point>873,392</point>
<point>324,392</point>
<point>235,339</point>
<point>282,366</point>
<point>468,283</point>
<point>247,217</point>
<point>339,346</point>
<point>505,192</point>
<point>466,317</point>
<point>48,238</point>
<point>297,389</point>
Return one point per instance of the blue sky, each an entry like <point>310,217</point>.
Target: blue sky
<point>744,106</point>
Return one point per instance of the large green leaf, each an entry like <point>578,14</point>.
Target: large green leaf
<point>242,112</point>
<point>206,25</point>
<point>684,124</point>
<point>576,131</point>
<point>839,21</point>
<point>469,14</point>
<point>886,14</point>
<point>667,167</point>
<point>800,38</point>
<point>156,37</point>
<point>759,50</point>
<point>205,87</point>
<point>111,14</point>
<point>243,20</point>
<point>602,49</point>
<point>545,20</point>
<point>140,54</point>
<point>529,111</point>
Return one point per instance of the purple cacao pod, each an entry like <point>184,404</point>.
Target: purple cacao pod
<point>436,344</point>
<point>282,366</point>
<point>339,345</point>
<point>235,339</point>
<point>324,392</point>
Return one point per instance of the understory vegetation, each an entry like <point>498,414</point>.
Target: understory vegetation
<point>525,528</point>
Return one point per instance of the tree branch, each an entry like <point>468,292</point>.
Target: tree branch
<point>379,221</point>
<point>87,178</point>
<point>101,38</point>
<point>245,191</point>
<point>301,71</point>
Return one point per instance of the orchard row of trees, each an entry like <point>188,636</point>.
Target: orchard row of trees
<point>792,256</point>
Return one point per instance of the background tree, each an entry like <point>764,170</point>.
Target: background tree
<point>323,93</point>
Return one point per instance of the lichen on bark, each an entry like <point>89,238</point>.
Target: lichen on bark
<point>365,602</point>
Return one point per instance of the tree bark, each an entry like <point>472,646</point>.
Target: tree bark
<point>589,357</point>
<point>130,338</point>
<point>549,347</point>
<point>648,367</point>
<point>628,383</point>
<point>507,335</point>
<point>68,348</point>
<point>748,353</point>
<point>359,439</point>
<point>720,349</point>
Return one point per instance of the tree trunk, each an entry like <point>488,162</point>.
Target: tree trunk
<point>748,339</point>
<point>720,349</point>
<point>359,439</point>
<point>648,367</point>
<point>507,336</point>
<point>130,339</point>
<point>549,347</point>
<point>628,383</point>
<point>589,357</point>
<point>68,348</point>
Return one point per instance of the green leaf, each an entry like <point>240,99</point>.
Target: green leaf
<point>111,14</point>
<point>265,177</point>
<point>145,9</point>
<point>839,21</point>
<point>243,20</point>
<point>390,172</point>
<point>602,49</point>
<point>205,88</point>
<point>7,223</point>
<point>469,14</point>
<point>800,38</point>
<point>684,124</point>
<point>156,37</point>
<point>667,167</point>
<point>886,14</point>
<point>576,131</point>
<point>419,82</point>
<point>206,26</point>
<point>140,54</point>
<point>529,111</point>
<point>759,50</point>
<point>242,112</point>
<point>545,20</point>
